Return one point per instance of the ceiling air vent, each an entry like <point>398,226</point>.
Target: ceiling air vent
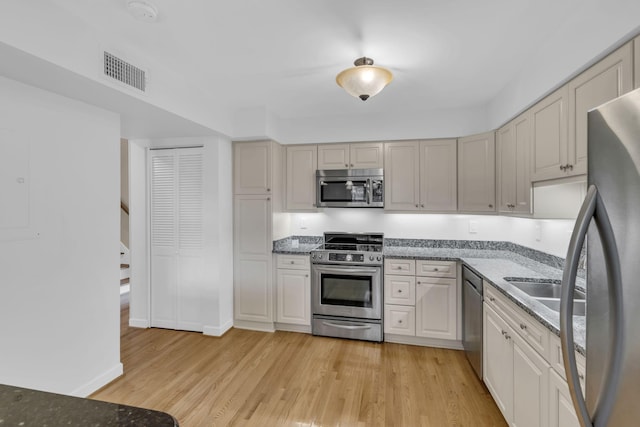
<point>124,72</point>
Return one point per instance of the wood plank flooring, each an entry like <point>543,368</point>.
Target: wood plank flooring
<point>248,378</point>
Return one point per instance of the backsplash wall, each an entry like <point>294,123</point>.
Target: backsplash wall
<point>550,236</point>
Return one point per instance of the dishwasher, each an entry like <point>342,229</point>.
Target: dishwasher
<point>472,318</point>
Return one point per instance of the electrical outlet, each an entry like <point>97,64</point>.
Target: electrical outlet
<point>538,233</point>
<point>473,227</point>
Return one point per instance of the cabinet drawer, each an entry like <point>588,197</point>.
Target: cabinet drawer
<point>294,262</point>
<point>436,268</point>
<point>555,359</point>
<point>399,319</point>
<point>399,290</point>
<point>526,326</point>
<point>400,266</point>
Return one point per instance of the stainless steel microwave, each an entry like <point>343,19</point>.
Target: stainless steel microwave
<point>350,188</point>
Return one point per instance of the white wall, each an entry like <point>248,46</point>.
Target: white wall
<point>551,236</point>
<point>216,299</point>
<point>59,287</point>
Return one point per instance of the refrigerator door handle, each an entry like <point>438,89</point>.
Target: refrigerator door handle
<point>592,208</point>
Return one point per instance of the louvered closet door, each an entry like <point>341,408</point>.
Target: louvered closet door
<point>177,247</point>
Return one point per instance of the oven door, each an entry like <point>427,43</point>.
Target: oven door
<point>347,291</point>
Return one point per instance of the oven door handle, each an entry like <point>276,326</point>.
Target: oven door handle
<point>343,326</point>
<point>348,270</point>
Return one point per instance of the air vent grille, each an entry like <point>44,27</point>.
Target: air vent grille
<point>124,72</point>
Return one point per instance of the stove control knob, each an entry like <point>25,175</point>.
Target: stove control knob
<point>370,257</point>
<point>348,257</point>
<point>379,258</point>
<point>313,256</point>
<point>320,256</point>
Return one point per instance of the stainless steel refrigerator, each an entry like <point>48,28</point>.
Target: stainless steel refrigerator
<point>610,220</point>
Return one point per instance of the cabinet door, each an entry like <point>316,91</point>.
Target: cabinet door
<point>513,154</point>
<point>522,137</point>
<point>438,175</point>
<point>530,386</point>
<point>252,285</point>
<point>506,159</point>
<point>498,361</point>
<point>476,173</point>
<point>636,59</point>
<point>561,410</point>
<point>436,308</point>
<point>400,320</point>
<point>549,136</point>
<point>400,290</point>
<point>333,156</point>
<point>302,162</point>
<point>366,155</point>
<point>293,289</point>
<point>402,176</point>
<point>252,167</point>
<point>603,82</point>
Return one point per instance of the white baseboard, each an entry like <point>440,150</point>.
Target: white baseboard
<point>424,342</point>
<point>98,382</point>
<point>254,326</point>
<point>139,323</point>
<point>217,331</point>
<point>289,327</point>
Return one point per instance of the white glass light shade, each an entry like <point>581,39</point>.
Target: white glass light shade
<point>364,81</point>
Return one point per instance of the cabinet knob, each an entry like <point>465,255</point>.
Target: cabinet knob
<point>346,165</point>
<point>268,189</point>
<point>418,282</point>
<point>400,321</point>
<point>398,268</point>
<point>293,262</point>
<point>523,326</point>
<point>306,275</point>
<point>507,337</point>
<point>504,333</point>
<point>417,206</point>
<point>268,198</point>
<point>422,206</point>
<point>491,206</point>
<point>562,167</point>
<point>581,377</point>
<point>570,167</point>
<point>492,299</point>
<point>399,291</point>
<point>435,269</point>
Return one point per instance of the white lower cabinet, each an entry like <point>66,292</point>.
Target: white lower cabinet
<point>293,290</point>
<point>423,306</point>
<point>522,369</point>
<point>561,411</point>
<point>436,307</point>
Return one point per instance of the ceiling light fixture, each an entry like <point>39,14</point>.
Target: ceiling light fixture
<point>142,10</point>
<point>364,80</point>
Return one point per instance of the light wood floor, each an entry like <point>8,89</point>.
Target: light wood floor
<point>290,379</point>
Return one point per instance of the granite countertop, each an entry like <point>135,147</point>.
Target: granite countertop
<point>25,407</point>
<point>494,265</point>
<point>492,260</point>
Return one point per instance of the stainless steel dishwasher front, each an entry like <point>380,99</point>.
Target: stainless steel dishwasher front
<point>472,318</point>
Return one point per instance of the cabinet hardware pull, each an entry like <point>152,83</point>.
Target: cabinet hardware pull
<point>491,206</point>
<point>492,299</point>
<point>562,167</point>
<point>435,269</point>
<point>268,198</point>
<point>504,333</point>
<point>570,167</point>
<point>417,206</point>
<point>399,268</point>
<point>268,189</point>
<point>508,337</point>
<point>399,291</point>
<point>422,206</point>
<point>399,321</point>
<point>346,165</point>
<point>351,165</point>
<point>306,275</point>
<point>581,376</point>
<point>292,262</point>
<point>523,326</point>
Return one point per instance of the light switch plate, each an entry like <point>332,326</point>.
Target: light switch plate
<point>473,227</point>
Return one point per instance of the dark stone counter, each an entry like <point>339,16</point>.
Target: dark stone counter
<point>25,407</point>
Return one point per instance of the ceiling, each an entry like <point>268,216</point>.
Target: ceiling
<point>280,57</point>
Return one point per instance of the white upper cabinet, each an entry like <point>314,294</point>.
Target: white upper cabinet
<point>361,155</point>
<point>421,175</point>
<point>438,175</point>
<point>549,136</point>
<point>402,176</point>
<point>636,61</point>
<point>603,82</point>
<point>513,154</point>
<point>252,167</point>
<point>476,173</point>
<point>302,162</point>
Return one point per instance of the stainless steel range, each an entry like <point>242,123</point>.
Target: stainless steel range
<point>346,286</point>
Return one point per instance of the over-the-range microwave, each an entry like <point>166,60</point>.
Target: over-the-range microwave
<point>350,188</point>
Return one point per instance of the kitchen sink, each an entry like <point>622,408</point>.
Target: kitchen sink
<point>579,306</point>
<point>544,289</point>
